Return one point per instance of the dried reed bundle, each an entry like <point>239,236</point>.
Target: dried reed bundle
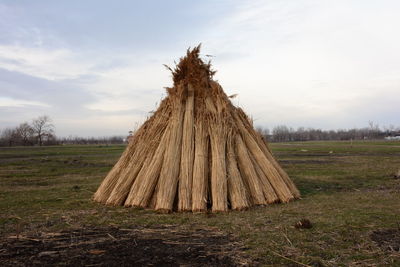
<point>200,166</point>
<point>210,105</point>
<point>107,186</point>
<point>267,151</point>
<point>280,187</point>
<point>196,152</point>
<point>219,188</point>
<point>248,172</point>
<point>269,192</point>
<point>152,203</point>
<point>146,148</point>
<point>146,180</point>
<point>168,180</point>
<point>186,172</point>
<point>237,191</point>
<point>289,183</point>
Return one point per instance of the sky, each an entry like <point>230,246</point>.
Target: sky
<point>96,67</point>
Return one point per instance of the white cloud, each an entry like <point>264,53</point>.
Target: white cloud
<point>51,64</point>
<point>130,87</point>
<point>307,60</point>
<point>10,102</point>
<point>136,83</point>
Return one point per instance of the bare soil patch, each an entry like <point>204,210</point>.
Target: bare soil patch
<point>387,239</point>
<point>136,246</point>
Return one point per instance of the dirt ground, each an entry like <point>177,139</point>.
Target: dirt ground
<point>388,239</point>
<point>136,246</point>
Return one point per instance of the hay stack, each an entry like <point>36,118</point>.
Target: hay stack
<point>196,152</point>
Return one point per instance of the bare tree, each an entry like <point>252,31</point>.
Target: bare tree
<point>281,133</point>
<point>7,137</point>
<point>373,130</point>
<point>43,128</point>
<point>25,134</point>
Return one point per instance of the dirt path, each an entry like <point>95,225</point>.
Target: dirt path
<point>136,246</point>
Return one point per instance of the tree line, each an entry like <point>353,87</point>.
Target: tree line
<point>41,131</point>
<point>283,133</point>
<point>106,140</point>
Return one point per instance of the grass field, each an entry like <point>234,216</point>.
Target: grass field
<point>349,193</point>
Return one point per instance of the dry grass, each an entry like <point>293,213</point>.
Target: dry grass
<point>348,195</point>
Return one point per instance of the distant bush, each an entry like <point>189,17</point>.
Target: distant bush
<point>40,131</point>
<point>111,140</point>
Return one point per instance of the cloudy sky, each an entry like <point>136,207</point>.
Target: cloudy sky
<point>95,67</point>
